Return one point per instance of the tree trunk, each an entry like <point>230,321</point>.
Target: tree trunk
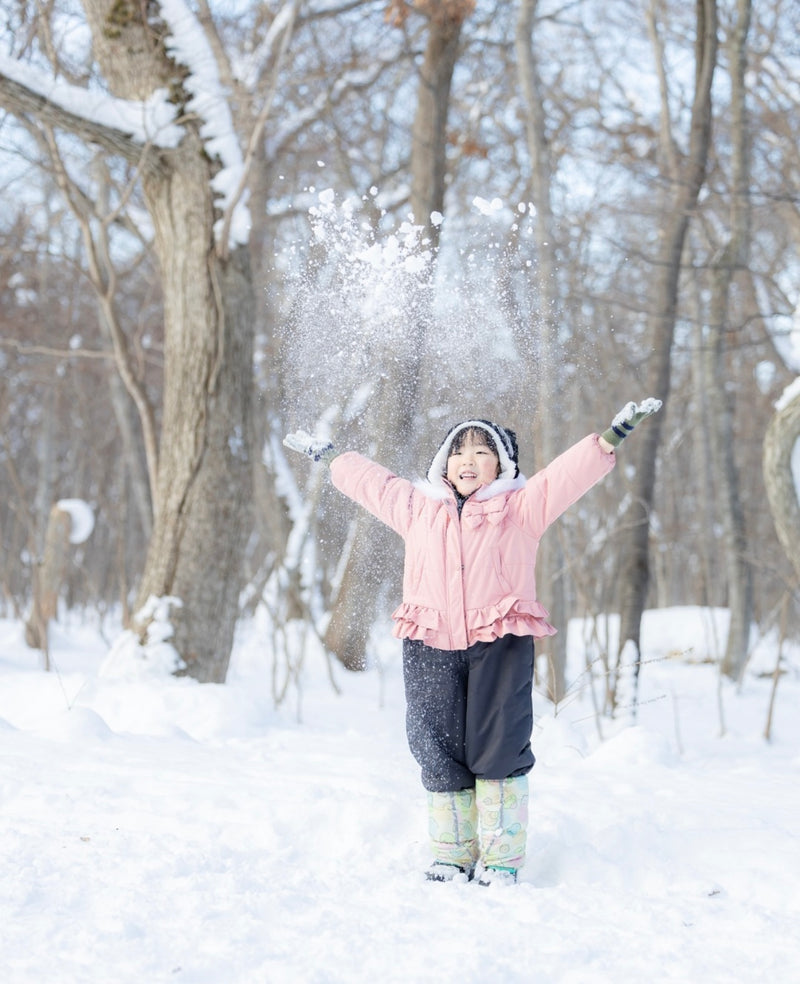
<point>398,392</point>
<point>429,132</point>
<point>202,508</point>
<point>48,581</point>
<point>728,505</point>
<point>544,276</point>
<point>780,447</point>
<point>201,511</point>
<point>635,571</point>
<point>732,257</point>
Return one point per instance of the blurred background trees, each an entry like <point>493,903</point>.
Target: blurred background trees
<point>572,251</point>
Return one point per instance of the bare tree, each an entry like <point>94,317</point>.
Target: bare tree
<point>731,257</point>
<point>396,397</point>
<point>545,288</point>
<point>687,179</point>
<point>201,504</point>
<point>331,92</point>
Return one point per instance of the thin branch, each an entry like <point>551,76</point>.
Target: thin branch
<point>56,353</point>
<point>258,129</point>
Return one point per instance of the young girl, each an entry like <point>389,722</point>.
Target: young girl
<point>468,620</point>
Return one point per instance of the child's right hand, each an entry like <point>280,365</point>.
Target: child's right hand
<point>317,449</point>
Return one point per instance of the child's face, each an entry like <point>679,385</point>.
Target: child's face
<point>472,465</point>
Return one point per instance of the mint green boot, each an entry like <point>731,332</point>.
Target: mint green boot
<point>503,813</point>
<point>453,829</point>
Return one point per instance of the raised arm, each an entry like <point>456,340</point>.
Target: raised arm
<point>381,492</point>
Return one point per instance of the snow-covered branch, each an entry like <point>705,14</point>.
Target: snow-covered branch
<point>119,126</point>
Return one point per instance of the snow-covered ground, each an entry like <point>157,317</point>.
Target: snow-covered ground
<point>156,830</point>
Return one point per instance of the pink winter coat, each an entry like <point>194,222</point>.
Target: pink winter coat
<point>471,580</point>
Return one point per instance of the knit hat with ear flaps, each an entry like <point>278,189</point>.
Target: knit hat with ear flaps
<point>504,440</point>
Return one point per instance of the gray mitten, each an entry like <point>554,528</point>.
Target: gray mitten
<point>312,447</point>
<point>628,417</point>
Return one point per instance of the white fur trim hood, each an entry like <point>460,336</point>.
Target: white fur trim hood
<point>509,479</point>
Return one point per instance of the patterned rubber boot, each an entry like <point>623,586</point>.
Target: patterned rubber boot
<point>503,812</point>
<point>453,829</point>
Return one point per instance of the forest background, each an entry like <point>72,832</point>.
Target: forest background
<point>225,220</point>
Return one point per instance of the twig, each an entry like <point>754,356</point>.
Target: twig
<point>56,353</point>
<point>624,707</point>
<point>776,673</point>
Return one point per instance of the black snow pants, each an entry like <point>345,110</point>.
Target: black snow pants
<point>469,713</point>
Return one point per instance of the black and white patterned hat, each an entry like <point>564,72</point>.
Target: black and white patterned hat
<point>504,440</point>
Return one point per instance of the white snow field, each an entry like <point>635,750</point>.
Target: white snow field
<point>157,830</point>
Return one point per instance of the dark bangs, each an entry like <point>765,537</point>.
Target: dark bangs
<point>478,436</point>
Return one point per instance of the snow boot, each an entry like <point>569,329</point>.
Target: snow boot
<point>497,876</point>
<point>443,871</point>
<point>453,829</point>
<point>503,812</point>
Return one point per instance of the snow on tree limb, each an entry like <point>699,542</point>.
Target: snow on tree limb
<point>120,126</point>
<point>188,44</point>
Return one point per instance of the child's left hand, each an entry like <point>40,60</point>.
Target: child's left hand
<point>628,417</point>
